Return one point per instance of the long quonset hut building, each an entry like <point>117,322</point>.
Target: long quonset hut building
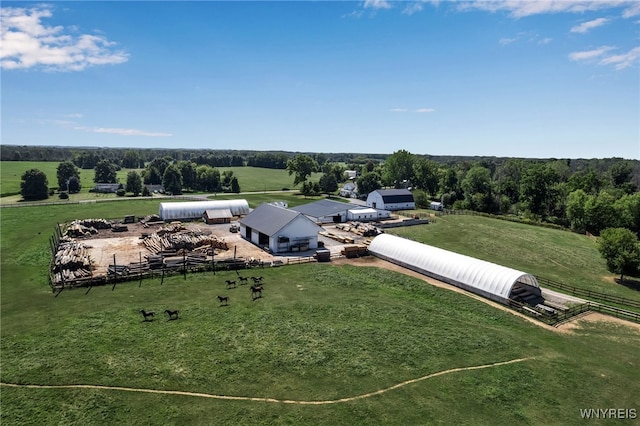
<point>195,209</point>
<point>487,279</point>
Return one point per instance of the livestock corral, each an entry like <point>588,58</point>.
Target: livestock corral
<point>96,251</point>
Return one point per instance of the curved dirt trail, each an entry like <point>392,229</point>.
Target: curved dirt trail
<point>272,400</point>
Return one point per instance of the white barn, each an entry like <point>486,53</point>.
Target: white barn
<point>487,279</point>
<point>363,215</point>
<point>391,199</point>
<point>281,230</point>
<point>195,209</point>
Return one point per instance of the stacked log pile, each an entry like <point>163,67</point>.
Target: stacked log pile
<point>167,243</point>
<point>71,262</point>
<point>86,227</point>
<point>360,228</point>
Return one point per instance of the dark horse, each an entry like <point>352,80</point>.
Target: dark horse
<point>256,291</point>
<point>223,299</point>
<point>257,280</point>
<point>243,279</point>
<point>172,314</point>
<point>231,284</point>
<point>148,316</point>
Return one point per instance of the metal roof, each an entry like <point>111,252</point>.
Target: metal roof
<point>485,278</point>
<point>325,207</point>
<point>270,219</point>
<point>218,213</point>
<point>395,195</point>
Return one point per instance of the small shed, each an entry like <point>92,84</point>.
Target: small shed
<point>362,215</point>
<point>280,230</point>
<point>213,216</point>
<point>391,199</point>
<point>436,205</point>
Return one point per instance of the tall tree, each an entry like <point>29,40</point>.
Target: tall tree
<point>132,159</point>
<point>398,168</point>
<point>134,183</point>
<point>302,166</point>
<point>34,185</point>
<point>105,172</point>
<point>188,172</point>
<point>172,180</point>
<point>537,189</point>
<point>328,183</point>
<point>235,186</point>
<point>621,251</point>
<point>64,172</point>
<point>426,175</point>
<point>208,179</point>
<point>368,182</point>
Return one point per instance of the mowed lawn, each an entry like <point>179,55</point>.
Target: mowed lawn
<point>558,255</point>
<point>320,333</point>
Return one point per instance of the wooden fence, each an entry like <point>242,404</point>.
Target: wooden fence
<point>590,294</point>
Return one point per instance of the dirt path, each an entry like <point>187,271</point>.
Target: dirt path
<point>271,400</point>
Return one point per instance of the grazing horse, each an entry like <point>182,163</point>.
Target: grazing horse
<point>147,316</point>
<point>172,314</point>
<point>223,299</point>
<point>231,283</point>
<point>243,279</point>
<point>257,280</point>
<point>256,291</point>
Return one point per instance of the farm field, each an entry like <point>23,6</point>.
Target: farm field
<point>322,332</point>
<point>570,258</point>
<point>251,179</point>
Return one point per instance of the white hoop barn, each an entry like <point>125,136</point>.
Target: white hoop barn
<point>195,209</point>
<point>487,279</point>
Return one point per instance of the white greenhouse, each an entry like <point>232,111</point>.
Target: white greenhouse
<point>487,279</point>
<point>195,209</point>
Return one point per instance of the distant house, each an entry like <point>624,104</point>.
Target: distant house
<point>280,230</point>
<point>349,190</point>
<point>350,174</point>
<point>436,205</point>
<point>155,189</point>
<point>391,199</point>
<point>105,188</point>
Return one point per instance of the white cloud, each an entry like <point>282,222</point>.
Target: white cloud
<point>587,55</point>
<point>122,132</point>
<point>377,4</point>
<point>28,43</point>
<point>398,110</point>
<point>603,56</point>
<point>424,110</point>
<point>546,40</point>
<point>633,10</point>
<point>623,60</point>
<point>520,8</point>
<point>413,7</point>
<point>505,41</point>
<point>589,25</point>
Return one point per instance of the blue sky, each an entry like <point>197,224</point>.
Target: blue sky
<point>536,79</point>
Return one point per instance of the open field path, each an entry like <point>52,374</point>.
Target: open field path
<point>272,400</point>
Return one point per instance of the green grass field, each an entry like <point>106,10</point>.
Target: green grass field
<point>251,179</point>
<point>558,255</point>
<point>321,332</point>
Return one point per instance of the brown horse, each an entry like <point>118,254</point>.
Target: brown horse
<point>223,299</point>
<point>147,316</point>
<point>231,284</point>
<point>256,291</point>
<point>173,315</point>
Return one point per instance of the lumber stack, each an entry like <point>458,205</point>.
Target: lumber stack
<point>164,242</point>
<point>352,251</point>
<point>71,262</point>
